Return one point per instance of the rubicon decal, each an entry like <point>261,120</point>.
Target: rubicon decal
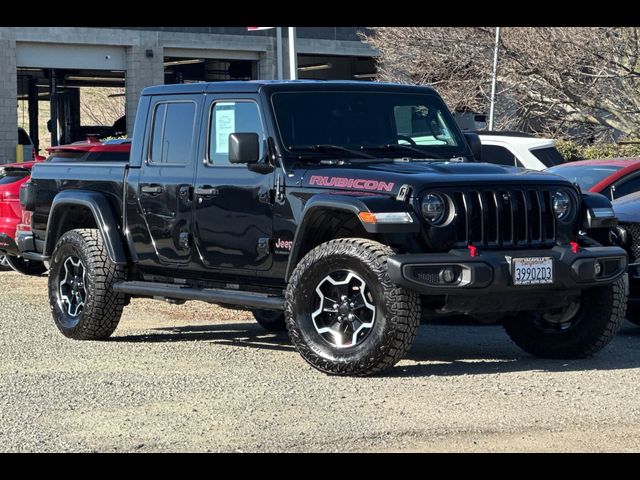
<point>356,183</point>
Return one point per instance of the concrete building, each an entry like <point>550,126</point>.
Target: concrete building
<point>50,64</point>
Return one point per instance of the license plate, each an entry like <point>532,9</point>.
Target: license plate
<point>532,270</point>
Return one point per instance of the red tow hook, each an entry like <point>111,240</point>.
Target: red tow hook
<point>473,251</point>
<point>575,248</point>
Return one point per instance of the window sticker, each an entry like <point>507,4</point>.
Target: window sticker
<point>225,125</point>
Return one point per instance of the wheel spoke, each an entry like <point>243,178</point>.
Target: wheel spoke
<point>72,286</point>
<point>344,313</point>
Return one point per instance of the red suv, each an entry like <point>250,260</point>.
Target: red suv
<point>13,176</point>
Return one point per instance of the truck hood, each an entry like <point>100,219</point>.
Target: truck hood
<point>388,177</point>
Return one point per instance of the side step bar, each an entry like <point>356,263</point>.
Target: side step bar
<point>35,256</point>
<point>211,295</point>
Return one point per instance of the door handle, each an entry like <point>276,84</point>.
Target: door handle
<point>206,191</point>
<point>151,189</point>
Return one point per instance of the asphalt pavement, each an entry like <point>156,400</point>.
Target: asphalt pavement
<point>197,377</point>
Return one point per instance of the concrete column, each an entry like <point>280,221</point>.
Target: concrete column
<point>267,66</point>
<point>142,71</point>
<point>8,99</point>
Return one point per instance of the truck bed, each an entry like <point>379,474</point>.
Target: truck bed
<point>48,179</point>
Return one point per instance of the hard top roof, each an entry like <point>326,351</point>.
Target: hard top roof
<point>254,86</point>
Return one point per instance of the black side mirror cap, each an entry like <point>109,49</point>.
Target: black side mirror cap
<point>244,148</point>
<point>474,143</point>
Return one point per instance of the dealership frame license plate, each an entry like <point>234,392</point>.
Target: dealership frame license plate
<point>532,270</point>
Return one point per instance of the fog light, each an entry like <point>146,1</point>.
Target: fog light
<point>448,275</point>
<point>597,268</point>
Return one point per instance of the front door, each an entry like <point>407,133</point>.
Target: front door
<point>166,178</point>
<point>232,204</point>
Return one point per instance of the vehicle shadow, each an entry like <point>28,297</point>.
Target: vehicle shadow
<point>485,349</point>
<point>439,349</point>
<point>236,334</point>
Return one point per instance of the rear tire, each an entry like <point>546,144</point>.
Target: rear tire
<point>343,313</point>
<point>272,320</point>
<point>81,278</point>
<point>26,266</point>
<point>589,327</point>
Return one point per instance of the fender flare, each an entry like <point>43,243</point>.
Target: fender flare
<point>593,210</point>
<point>102,213</point>
<point>352,204</point>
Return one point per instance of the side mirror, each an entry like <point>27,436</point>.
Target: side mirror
<point>474,142</point>
<point>244,148</point>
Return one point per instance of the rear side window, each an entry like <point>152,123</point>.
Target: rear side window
<point>172,134</point>
<point>549,156</point>
<point>11,176</point>
<point>498,155</point>
<point>108,157</point>
<point>59,157</point>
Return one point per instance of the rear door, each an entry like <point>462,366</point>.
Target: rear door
<point>164,190</point>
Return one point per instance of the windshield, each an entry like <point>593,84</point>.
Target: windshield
<point>585,176</point>
<point>374,122</point>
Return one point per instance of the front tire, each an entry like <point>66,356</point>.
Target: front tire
<point>81,278</point>
<point>26,266</point>
<point>343,313</point>
<point>583,329</point>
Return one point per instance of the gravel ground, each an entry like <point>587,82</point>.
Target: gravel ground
<point>201,378</point>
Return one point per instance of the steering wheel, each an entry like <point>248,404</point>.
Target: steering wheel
<point>406,138</point>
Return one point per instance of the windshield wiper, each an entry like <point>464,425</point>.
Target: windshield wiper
<point>328,148</point>
<point>408,148</point>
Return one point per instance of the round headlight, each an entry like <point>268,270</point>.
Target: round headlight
<point>561,205</point>
<point>433,208</point>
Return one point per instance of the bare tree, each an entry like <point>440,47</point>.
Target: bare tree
<point>101,106</point>
<point>580,82</point>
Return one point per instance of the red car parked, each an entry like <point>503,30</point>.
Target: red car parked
<point>613,178</point>
<point>13,176</point>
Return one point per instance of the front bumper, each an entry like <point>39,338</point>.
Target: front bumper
<point>490,271</point>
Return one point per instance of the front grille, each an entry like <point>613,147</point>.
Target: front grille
<point>508,217</point>
<point>633,245</point>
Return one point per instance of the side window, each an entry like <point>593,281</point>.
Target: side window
<point>498,155</point>
<point>172,134</point>
<point>627,186</point>
<point>423,125</point>
<point>229,117</point>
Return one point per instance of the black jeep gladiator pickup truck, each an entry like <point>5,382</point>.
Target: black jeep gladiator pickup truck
<point>341,211</point>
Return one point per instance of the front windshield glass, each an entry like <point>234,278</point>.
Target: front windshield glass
<point>375,122</point>
<point>584,175</point>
